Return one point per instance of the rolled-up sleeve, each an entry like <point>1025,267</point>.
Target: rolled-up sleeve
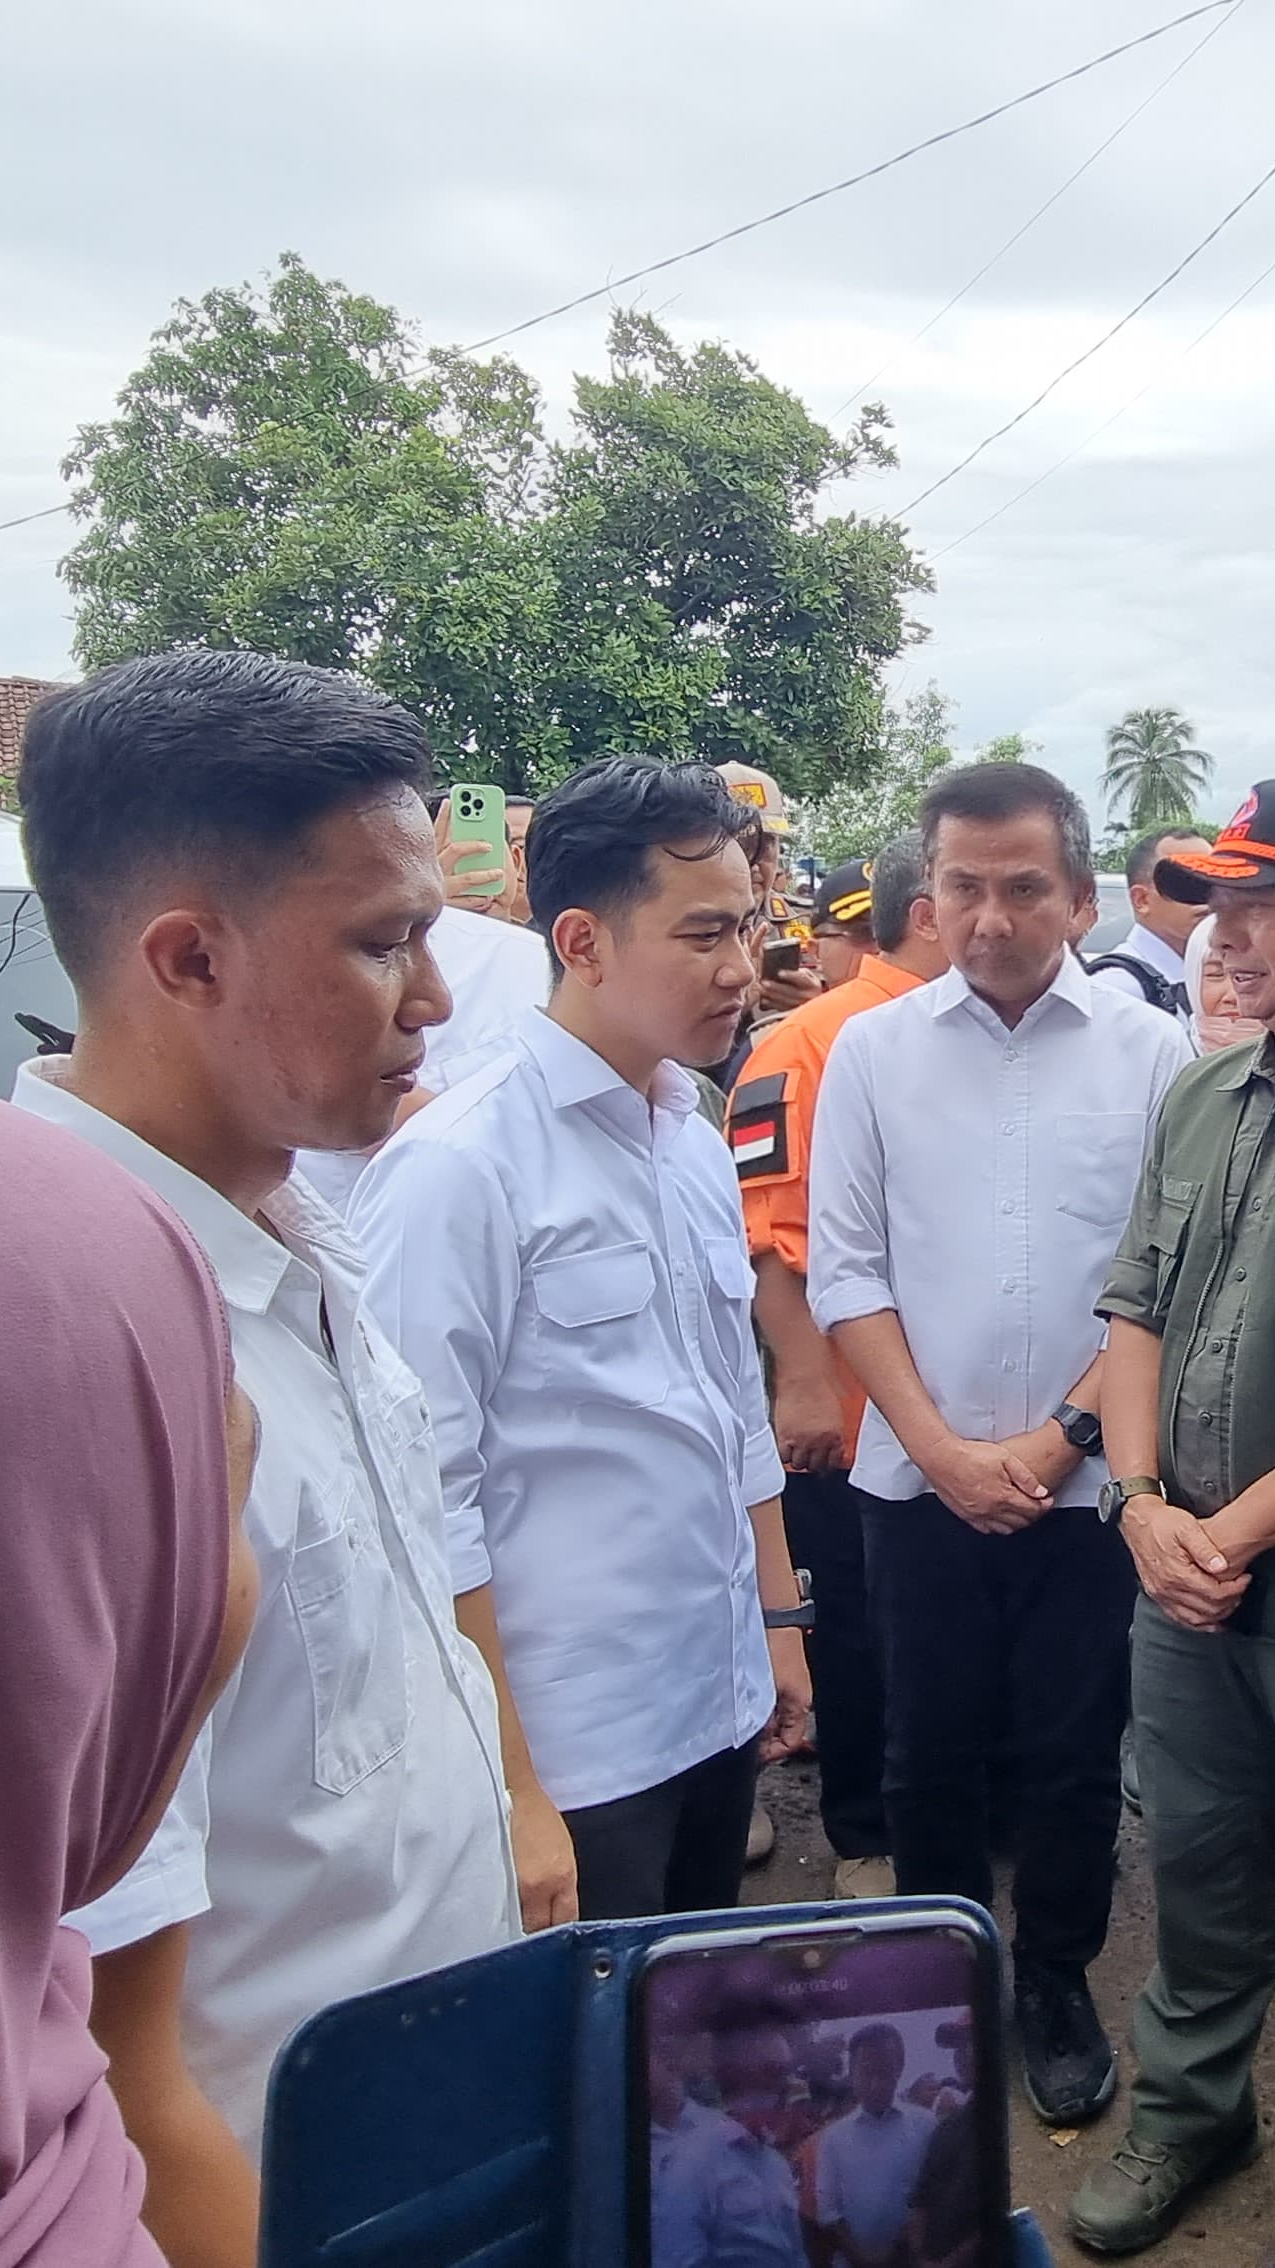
<point>849,1239</point>
<point>443,1281</point>
<point>763,1467</point>
<point>1130,1290</point>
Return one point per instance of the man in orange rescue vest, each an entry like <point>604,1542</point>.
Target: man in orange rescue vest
<point>817,1402</point>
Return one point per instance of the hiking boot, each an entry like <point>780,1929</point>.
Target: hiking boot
<point>1069,2070</point>
<point>864,1878</point>
<point>1135,2199</point>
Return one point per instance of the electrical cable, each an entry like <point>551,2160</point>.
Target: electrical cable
<point>1091,351</point>
<point>852,181</point>
<point>1039,214</point>
<point>24,520</point>
<point>1107,422</point>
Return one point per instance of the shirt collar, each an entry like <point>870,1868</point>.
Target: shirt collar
<point>886,977</point>
<point>1144,945</point>
<point>248,1262</point>
<point>573,1073</point>
<point>1071,984</point>
<point>1253,1061</point>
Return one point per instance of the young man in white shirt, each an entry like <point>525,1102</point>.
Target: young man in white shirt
<point>977,1147</point>
<point>559,1242</point>
<point>867,2165</point>
<point>237,870</point>
<point>1150,963</point>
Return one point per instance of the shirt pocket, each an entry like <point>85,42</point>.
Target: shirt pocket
<point>1168,1236</point>
<point>346,1600</point>
<point>1098,1155</point>
<point>731,1284</point>
<point>597,1335</point>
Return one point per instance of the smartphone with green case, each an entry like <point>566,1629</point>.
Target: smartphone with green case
<point>477,815</point>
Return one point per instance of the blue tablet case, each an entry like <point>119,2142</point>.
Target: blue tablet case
<point>476,2117</point>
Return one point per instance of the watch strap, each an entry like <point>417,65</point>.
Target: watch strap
<point>801,1617</point>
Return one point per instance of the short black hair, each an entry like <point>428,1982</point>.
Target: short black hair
<point>881,2035</point>
<point>996,792</point>
<point>520,803</point>
<point>590,841</point>
<point>1143,857</point>
<point>898,880</point>
<point>193,754</point>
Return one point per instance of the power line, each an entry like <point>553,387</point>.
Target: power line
<point>26,518</point>
<point>852,181</point>
<point>1107,422</point>
<point>1091,351</point>
<point>1039,214</point>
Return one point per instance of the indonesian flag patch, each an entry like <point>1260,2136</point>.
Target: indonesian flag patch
<point>758,1131</point>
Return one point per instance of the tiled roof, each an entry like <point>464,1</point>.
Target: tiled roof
<point>18,695</point>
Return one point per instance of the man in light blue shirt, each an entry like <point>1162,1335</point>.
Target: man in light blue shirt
<point>867,2164</point>
<point>722,2195</point>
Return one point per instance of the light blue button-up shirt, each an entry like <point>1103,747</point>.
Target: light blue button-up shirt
<point>723,2199</point>
<point>866,2170</point>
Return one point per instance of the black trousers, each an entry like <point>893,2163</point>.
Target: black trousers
<point>823,1517</point>
<point>673,1849</point>
<point>1033,1627</point>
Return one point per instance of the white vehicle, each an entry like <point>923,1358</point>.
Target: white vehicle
<point>32,982</point>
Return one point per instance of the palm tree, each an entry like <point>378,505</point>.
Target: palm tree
<point>1154,768</point>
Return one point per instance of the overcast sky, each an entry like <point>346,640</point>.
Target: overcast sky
<point>475,163</point>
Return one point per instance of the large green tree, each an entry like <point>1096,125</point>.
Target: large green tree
<point>289,471</point>
<point>912,742</point>
<point>1154,771</point>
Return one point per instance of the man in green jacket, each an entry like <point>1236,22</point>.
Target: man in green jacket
<point>1188,1418</point>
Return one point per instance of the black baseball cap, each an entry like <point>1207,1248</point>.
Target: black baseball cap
<point>1242,858</point>
<point>845,895</point>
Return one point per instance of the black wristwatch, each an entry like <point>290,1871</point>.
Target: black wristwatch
<point>1115,1494</point>
<point>793,1617</point>
<point>1081,1428</point>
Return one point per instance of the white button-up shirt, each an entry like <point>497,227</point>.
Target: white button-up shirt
<point>565,1265</point>
<point>977,1180</point>
<point>866,2169</point>
<point>342,1822</point>
<point>496,973</point>
<point>724,2199</point>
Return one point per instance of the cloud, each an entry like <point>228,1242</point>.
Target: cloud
<point>476,164</point>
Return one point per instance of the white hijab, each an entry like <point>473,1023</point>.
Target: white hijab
<point>1209,1033</point>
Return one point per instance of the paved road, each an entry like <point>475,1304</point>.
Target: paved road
<point>1234,2227</point>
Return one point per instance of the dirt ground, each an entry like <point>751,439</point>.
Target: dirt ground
<point>1231,2227</point>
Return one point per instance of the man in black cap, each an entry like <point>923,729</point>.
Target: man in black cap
<point>1189,1422</point>
<point>842,920</point>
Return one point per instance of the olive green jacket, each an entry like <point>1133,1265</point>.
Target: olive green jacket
<point>1175,1250</point>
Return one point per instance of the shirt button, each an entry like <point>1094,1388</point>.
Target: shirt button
<point>1216,1346</point>
<point>1008,1205</point>
<point>1206,1417</point>
<point>1241,1275</point>
<point>1009,1363</point>
<point>1257,1204</point>
<point>1011,1055</point>
<point>1008,1284</point>
<point>1008,1127</point>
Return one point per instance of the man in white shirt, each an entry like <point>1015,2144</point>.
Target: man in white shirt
<point>867,2165</point>
<point>977,1146</point>
<point>559,1243</point>
<point>1149,964</point>
<point>723,2195</point>
<point>495,974</point>
<point>237,869</point>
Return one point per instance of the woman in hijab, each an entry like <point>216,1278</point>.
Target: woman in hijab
<point>1216,1021</point>
<point>126,1593</point>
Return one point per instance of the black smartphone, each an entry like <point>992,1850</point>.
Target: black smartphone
<point>810,2093</point>
<point>780,955</point>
